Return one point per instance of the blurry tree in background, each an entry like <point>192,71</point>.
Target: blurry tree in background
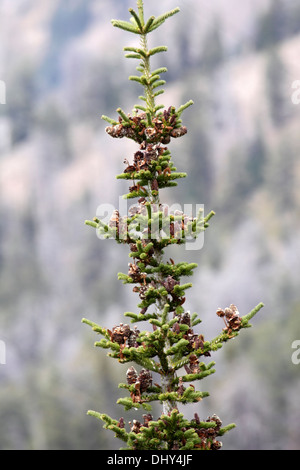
<point>276,88</point>
<point>274,25</point>
<point>212,49</point>
<point>22,93</point>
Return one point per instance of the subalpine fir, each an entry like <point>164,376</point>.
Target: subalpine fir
<point>166,358</point>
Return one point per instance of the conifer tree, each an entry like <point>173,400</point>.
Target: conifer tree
<point>166,360</point>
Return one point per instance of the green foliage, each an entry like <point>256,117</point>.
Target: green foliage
<point>150,80</point>
<point>148,229</point>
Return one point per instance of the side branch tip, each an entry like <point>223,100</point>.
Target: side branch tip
<point>247,318</point>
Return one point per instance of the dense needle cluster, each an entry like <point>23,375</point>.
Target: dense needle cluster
<point>160,129</point>
<point>171,353</point>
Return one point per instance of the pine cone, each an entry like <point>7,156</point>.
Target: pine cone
<point>194,364</point>
<point>131,375</point>
<point>145,379</point>
<point>135,426</point>
<point>115,219</point>
<point>132,343</point>
<point>170,283</point>
<point>120,333</point>
<point>134,272</point>
<point>147,418</point>
<point>217,420</point>
<point>185,319</point>
<point>121,423</point>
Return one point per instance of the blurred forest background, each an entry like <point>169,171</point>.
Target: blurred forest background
<point>63,66</point>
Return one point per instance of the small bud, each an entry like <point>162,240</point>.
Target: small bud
<point>197,419</point>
